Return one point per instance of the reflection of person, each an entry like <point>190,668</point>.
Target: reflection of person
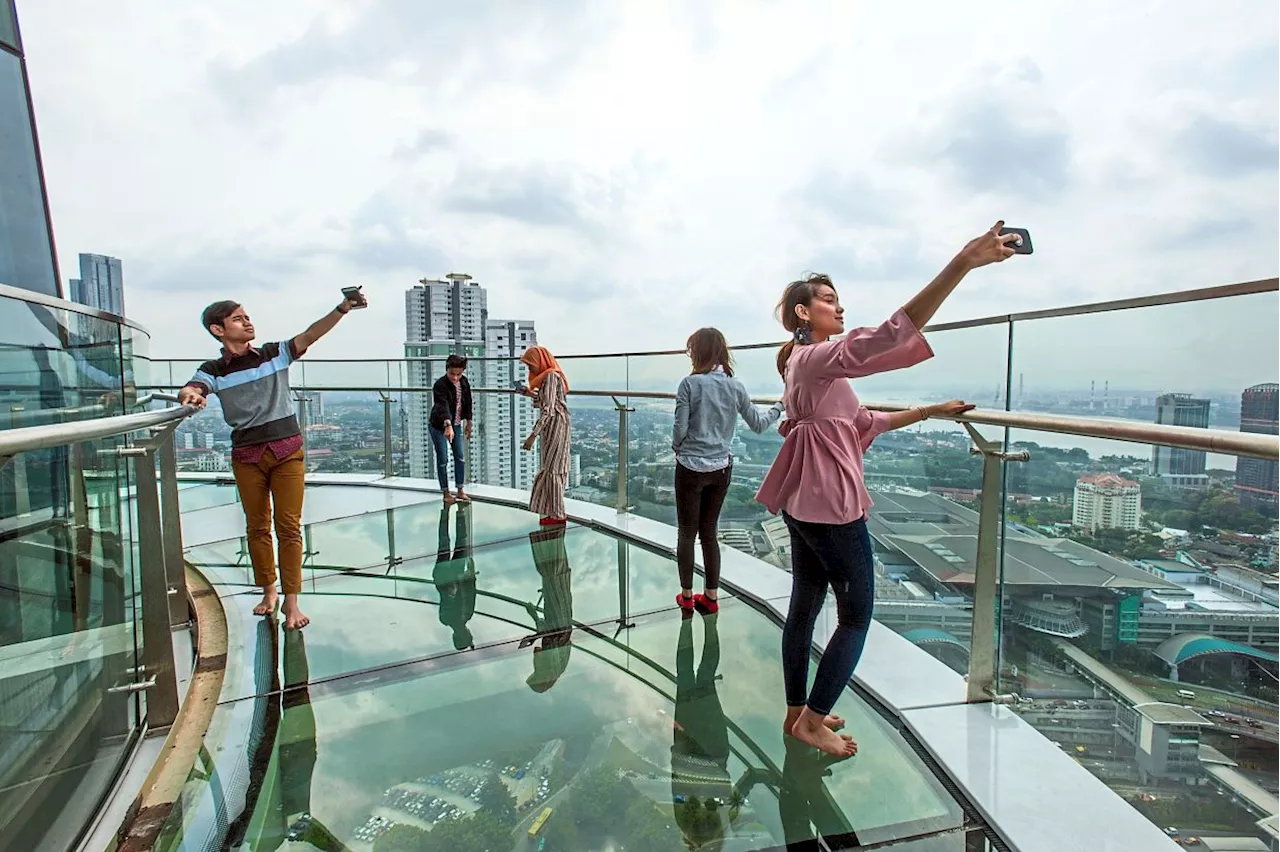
<point>548,387</point>
<point>266,457</point>
<point>296,740</point>
<point>708,404</point>
<point>455,577</point>
<point>450,421</point>
<point>555,623</point>
<point>816,481</point>
<point>700,740</point>
<point>805,808</point>
<point>281,805</point>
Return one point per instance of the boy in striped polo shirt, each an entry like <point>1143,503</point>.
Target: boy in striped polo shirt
<point>266,444</point>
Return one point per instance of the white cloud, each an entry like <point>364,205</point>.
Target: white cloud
<point>625,176</point>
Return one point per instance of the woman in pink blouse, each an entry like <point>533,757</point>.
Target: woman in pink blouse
<point>816,481</point>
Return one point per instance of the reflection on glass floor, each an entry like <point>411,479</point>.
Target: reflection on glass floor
<point>486,692</point>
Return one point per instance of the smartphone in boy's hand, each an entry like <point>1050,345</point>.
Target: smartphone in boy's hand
<point>355,297</point>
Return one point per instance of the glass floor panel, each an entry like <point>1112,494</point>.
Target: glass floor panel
<point>667,735</point>
<point>205,495</point>
<point>453,600</point>
<point>375,538</point>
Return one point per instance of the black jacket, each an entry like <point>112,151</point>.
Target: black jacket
<point>444,402</point>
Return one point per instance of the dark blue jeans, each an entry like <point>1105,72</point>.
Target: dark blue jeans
<point>441,446</point>
<point>838,555</point>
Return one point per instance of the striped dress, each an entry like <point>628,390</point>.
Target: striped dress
<point>552,428</point>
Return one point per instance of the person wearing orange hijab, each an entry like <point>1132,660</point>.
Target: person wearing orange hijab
<point>548,388</point>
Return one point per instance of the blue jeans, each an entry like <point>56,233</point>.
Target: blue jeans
<point>838,555</point>
<point>441,446</point>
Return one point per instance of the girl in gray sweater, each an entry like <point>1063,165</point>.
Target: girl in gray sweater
<point>708,404</point>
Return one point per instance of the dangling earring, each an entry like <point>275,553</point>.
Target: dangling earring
<point>804,334</point>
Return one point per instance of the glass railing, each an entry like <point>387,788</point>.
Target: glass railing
<point>1076,623</point>
<point>84,653</point>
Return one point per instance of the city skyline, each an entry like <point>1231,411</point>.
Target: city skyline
<point>583,189</point>
<point>1101,613</point>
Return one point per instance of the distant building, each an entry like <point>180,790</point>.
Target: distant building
<point>1107,501</point>
<point>1178,467</point>
<point>1256,479</point>
<point>442,318</point>
<point>202,460</point>
<point>101,283</point>
<point>506,419</point>
<point>451,316</point>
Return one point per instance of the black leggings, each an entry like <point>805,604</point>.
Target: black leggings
<point>699,497</point>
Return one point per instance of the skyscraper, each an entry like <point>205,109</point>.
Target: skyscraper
<point>442,317</point>
<point>507,419</point>
<point>1256,479</point>
<point>1177,467</point>
<point>27,258</point>
<point>101,284</point>
<point>451,316</point>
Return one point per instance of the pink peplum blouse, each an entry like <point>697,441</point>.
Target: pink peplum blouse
<point>817,476</point>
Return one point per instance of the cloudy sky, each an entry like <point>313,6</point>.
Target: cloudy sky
<point>624,172</point>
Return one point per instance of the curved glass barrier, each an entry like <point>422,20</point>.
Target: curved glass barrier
<point>68,637</point>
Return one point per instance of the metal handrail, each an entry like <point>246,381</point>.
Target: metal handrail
<point>28,438</point>
<point>1115,429</point>
<point>1200,294</point>
<point>1180,437</point>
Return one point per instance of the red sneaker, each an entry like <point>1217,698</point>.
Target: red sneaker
<point>706,605</point>
<point>686,604</point>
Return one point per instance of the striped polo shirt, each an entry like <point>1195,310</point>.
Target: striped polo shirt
<point>254,391</point>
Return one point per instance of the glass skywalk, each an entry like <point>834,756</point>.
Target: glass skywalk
<point>451,695</point>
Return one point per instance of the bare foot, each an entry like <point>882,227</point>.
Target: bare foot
<point>449,499</point>
<point>462,496</point>
<point>811,729</point>
<point>294,617</point>
<point>268,603</point>
<point>831,720</point>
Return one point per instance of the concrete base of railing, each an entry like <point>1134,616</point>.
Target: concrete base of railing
<point>163,786</point>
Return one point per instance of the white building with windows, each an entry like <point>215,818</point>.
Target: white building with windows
<point>451,316</point>
<point>1107,501</point>
<point>442,317</point>
<point>507,419</point>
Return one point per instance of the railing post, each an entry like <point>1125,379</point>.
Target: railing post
<point>171,528</point>
<point>21,494</point>
<point>982,641</point>
<point>624,587</point>
<point>388,469</point>
<point>624,448</point>
<point>157,649</point>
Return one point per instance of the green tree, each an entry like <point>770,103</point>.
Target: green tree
<point>480,832</point>
<point>496,800</point>
<point>736,801</point>
<point>403,838</point>
<point>649,829</point>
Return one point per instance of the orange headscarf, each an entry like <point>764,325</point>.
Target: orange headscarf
<point>542,364</point>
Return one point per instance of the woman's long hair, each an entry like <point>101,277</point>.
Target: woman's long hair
<point>707,350</point>
<point>799,292</point>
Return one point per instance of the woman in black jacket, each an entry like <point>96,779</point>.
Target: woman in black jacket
<point>451,414</point>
